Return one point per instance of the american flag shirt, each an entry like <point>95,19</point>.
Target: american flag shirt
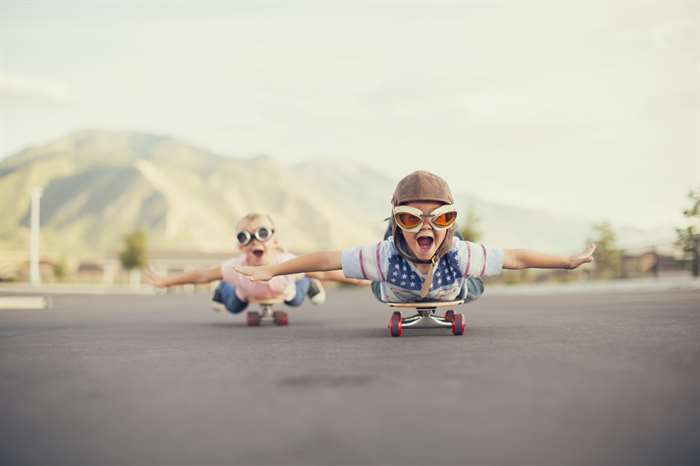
<point>399,279</point>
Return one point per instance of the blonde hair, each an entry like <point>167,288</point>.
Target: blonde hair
<point>250,217</point>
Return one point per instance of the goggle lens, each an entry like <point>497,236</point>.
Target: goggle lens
<point>243,238</point>
<point>263,234</point>
<point>407,220</point>
<point>445,220</point>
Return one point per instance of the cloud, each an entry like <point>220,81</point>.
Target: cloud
<point>23,88</point>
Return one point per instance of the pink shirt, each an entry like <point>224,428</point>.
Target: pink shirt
<point>280,287</point>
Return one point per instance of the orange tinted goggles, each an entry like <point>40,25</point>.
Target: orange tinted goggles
<point>411,219</point>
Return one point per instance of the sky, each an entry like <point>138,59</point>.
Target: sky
<point>588,109</point>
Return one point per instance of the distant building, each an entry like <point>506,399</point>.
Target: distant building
<point>179,261</point>
<point>652,264</point>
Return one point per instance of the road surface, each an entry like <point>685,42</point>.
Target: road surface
<point>566,379</point>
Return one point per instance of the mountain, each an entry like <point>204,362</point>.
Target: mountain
<point>100,185</point>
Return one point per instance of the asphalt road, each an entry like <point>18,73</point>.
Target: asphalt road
<point>579,379</point>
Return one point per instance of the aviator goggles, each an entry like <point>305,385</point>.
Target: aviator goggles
<point>411,219</point>
<point>262,234</point>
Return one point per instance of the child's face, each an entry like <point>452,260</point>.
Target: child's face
<point>425,243</point>
<point>258,252</point>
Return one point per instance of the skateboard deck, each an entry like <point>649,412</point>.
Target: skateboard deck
<point>427,304</point>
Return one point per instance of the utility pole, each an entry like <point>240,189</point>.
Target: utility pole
<point>696,256</point>
<point>34,272</point>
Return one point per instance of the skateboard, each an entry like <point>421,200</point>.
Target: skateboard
<point>426,318</point>
<point>255,318</point>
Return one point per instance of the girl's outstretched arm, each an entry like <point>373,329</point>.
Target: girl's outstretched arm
<point>527,259</point>
<point>314,262</point>
<point>193,277</point>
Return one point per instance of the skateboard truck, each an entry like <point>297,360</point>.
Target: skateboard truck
<point>255,318</point>
<point>426,318</point>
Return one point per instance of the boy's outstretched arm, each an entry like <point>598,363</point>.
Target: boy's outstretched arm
<point>193,277</point>
<point>338,276</point>
<point>314,262</point>
<point>528,259</point>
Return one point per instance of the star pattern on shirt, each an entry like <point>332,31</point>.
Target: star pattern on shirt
<point>403,275</point>
<point>446,274</point>
<point>447,271</point>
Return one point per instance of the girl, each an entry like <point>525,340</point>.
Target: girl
<point>255,234</point>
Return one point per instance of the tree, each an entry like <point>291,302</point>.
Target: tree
<point>134,256</point>
<point>608,257</point>
<point>689,236</point>
<point>60,269</point>
<point>470,229</point>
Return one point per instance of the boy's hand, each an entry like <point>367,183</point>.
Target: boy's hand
<point>255,274</point>
<point>153,279</point>
<point>583,258</point>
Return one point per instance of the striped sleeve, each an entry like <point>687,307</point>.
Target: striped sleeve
<point>479,260</point>
<point>366,262</point>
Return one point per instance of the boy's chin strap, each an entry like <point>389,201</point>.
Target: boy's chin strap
<point>425,289</point>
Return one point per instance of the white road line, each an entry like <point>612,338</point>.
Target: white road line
<point>23,302</point>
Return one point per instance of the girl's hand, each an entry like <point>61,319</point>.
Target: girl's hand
<point>154,279</point>
<point>583,258</point>
<point>255,274</point>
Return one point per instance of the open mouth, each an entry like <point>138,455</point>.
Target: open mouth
<point>425,243</point>
<point>258,253</point>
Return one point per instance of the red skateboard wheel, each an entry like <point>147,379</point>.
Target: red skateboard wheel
<point>395,325</point>
<point>252,319</point>
<point>458,324</point>
<point>280,318</point>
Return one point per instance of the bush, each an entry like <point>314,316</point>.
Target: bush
<point>134,255</point>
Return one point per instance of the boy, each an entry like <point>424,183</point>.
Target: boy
<point>422,260</point>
